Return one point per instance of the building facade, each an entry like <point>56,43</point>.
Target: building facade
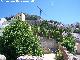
<point>20,16</point>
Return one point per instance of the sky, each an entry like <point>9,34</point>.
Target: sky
<point>65,11</point>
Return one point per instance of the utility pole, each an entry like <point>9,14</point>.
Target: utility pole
<point>40,10</point>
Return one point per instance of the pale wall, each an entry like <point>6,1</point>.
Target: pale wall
<point>23,17</point>
<point>78,48</point>
<point>48,43</point>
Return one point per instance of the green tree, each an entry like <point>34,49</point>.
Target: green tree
<point>18,40</point>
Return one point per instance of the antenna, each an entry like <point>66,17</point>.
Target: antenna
<point>40,10</point>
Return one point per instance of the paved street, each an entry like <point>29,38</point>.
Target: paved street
<point>49,56</point>
<point>78,57</point>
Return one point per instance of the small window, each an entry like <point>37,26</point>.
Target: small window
<point>20,15</point>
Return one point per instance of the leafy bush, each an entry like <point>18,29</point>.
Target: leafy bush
<point>59,55</point>
<point>69,43</point>
<point>18,40</point>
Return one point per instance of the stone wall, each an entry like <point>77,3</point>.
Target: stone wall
<point>49,45</point>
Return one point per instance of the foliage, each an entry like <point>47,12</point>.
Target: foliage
<point>59,55</point>
<point>52,31</point>
<point>35,29</point>
<point>57,35</point>
<point>76,31</point>
<point>32,17</point>
<point>45,29</point>
<point>18,40</point>
<point>68,29</point>
<point>69,43</point>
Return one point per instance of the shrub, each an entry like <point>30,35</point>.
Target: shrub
<point>69,43</point>
<point>59,55</point>
<point>18,40</point>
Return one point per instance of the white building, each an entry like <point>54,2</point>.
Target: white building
<point>20,16</point>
